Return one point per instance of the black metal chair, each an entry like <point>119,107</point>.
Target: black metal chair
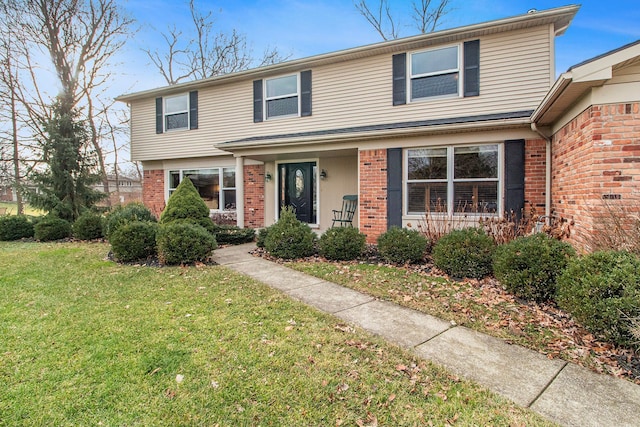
<point>344,217</point>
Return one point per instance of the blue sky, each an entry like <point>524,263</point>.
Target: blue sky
<point>306,28</point>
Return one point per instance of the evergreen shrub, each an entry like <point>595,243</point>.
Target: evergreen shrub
<point>88,226</point>
<point>289,238</point>
<point>15,227</point>
<point>464,253</point>
<point>233,235</point>
<point>184,243</point>
<point>602,292</point>
<point>342,243</point>
<point>186,205</point>
<point>122,215</point>
<point>262,236</point>
<point>529,266</point>
<point>134,241</point>
<point>401,245</point>
<point>52,228</point>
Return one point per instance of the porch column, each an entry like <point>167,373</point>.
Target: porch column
<point>240,191</point>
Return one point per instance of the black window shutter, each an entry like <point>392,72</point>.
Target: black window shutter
<point>472,68</point>
<point>514,176</point>
<point>400,79</point>
<point>394,187</point>
<point>305,93</point>
<point>257,101</point>
<point>159,118</point>
<point>193,109</point>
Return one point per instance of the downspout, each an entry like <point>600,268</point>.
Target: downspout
<point>547,183</point>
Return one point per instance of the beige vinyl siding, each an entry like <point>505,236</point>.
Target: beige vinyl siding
<point>515,69</point>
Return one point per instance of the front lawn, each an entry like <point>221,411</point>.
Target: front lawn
<point>85,341</point>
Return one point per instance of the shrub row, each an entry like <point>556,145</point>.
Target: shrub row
<point>14,227</point>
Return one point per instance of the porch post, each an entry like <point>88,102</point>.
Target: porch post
<point>240,191</point>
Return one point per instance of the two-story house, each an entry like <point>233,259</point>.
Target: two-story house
<point>435,121</point>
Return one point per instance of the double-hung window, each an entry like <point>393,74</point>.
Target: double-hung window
<point>216,186</point>
<point>176,112</point>
<point>453,180</point>
<point>435,73</point>
<point>282,96</point>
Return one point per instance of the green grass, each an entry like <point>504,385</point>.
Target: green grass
<point>85,341</point>
<point>12,209</point>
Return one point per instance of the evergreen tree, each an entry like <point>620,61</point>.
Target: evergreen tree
<point>186,205</point>
<point>64,188</point>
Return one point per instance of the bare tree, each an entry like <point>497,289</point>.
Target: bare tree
<point>80,37</point>
<point>427,14</point>
<point>205,52</point>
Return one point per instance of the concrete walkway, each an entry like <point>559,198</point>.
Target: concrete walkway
<point>562,392</point>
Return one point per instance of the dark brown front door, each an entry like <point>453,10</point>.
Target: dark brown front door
<point>297,189</point>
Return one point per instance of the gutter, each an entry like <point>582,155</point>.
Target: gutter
<point>547,181</point>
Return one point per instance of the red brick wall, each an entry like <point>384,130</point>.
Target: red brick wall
<point>254,196</point>
<point>373,193</point>
<point>153,191</point>
<point>596,160</point>
<point>535,175</point>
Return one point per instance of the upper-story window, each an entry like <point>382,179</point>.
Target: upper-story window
<point>282,96</point>
<point>435,73</point>
<point>176,112</point>
<point>285,96</point>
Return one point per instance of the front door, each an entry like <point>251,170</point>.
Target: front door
<point>297,189</point>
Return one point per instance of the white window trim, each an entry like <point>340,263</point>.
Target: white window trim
<point>450,180</point>
<point>459,70</point>
<point>288,95</point>
<point>220,169</point>
<point>165,114</point>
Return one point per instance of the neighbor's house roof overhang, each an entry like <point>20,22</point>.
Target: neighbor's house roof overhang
<point>560,18</point>
<point>580,79</point>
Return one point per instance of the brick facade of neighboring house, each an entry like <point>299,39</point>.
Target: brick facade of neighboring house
<point>596,163</point>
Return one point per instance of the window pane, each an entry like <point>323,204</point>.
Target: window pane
<point>282,107</point>
<point>177,121</point>
<point>427,164</point>
<point>476,162</point>
<point>479,197</point>
<point>434,61</point>
<point>427,197</point>
<point>174,179</point>
<point>229,178</point>
<point>176,104</point>
<point>229,200</point>
<point>207,182</point>
<point>438,85</point>
<point>282,86</point>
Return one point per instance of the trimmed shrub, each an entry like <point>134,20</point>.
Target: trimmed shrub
<point>289,238</point>
<point>134,241</point>
<point>602,292</point>
<point>15,227</point>
<point>464,253</point>
<point>342,243</point>
<point>52,228</point>
<point>262,236</point>
<point>233,235</point>
<point>401,245</point>
<point>184,243</point>
<point>122,215</point>
<point>529,266</point>
<point>186,205</point>
<point>88,226</point>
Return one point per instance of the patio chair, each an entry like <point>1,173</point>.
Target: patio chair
<point>344,217</point>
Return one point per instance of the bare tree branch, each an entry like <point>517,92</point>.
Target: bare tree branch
<point>379,20</point>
